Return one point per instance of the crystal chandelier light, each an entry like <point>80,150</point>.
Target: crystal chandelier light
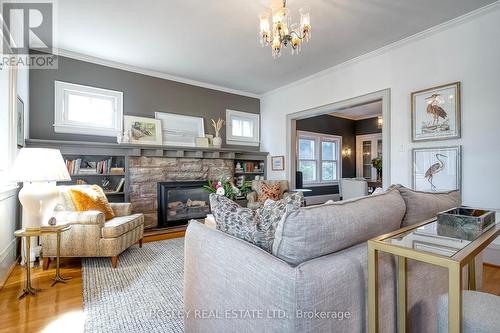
<point>280,32</point>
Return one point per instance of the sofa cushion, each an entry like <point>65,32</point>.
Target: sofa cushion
<point>310,232</point>
<point>121,225</point>
<point>421,206</point>
<point>255,226</point>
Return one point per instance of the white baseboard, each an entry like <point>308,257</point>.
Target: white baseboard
<point>8,259</point>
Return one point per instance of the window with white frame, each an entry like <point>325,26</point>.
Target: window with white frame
<point>87,110</point>
<point>242,128</point>
<point>318,157</point>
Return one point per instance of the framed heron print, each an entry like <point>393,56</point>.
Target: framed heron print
<point>437,169</point>
<point>435,113</point>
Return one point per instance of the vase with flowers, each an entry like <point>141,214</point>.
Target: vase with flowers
<point>377,164</point>
<point>217,125</point>
<point>227,188</point>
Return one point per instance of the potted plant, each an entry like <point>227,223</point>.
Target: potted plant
<point>377,164</point>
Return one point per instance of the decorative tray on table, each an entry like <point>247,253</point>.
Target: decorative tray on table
<point>464,222</point>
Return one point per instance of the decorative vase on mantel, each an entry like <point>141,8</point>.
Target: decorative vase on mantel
<point>217,125</point>
<point>217,141</point>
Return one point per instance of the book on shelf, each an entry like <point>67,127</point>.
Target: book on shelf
<point>73,166</point>
<point>118,188</point>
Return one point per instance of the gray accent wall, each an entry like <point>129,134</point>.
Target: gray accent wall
<point>367,126</point>
<point>143,95</point>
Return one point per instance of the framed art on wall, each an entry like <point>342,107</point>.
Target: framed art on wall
<point>180,130</point>
<point>435,113</point>
<point>437,169</point>
<point>143,130</point>
<point>278,163</point>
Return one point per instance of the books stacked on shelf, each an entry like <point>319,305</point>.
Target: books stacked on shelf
<point>73,166</point>
<point>86,171</point>
<point>104,166</point>
<point>79,167</point>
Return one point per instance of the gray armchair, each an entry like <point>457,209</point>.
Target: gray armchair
<point>253,197</point>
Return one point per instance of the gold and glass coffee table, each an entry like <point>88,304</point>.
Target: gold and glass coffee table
<point>427,242</point>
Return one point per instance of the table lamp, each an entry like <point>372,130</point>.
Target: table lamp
<point>38,169</point>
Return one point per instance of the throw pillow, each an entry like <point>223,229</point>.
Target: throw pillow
<point>254,226</point>
<point>269,192</point>
<point>92,198</point>
<point>421,206</point>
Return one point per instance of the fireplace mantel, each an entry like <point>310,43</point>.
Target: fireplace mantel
<point>100,148</point>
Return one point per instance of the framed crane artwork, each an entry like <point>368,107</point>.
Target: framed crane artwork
<point>435,113</point>
<point>437,169</point>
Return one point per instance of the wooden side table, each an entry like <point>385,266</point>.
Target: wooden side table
<point>27,234</point>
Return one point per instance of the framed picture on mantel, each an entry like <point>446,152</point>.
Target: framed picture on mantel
<point>180,130</point>
<point>143,130</point>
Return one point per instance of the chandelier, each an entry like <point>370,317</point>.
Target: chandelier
<point>282,33</point>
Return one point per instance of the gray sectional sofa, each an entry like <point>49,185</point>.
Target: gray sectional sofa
<point>315,279</point>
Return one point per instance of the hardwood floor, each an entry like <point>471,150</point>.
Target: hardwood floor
<point>491,279</point>
<point>59,308</point>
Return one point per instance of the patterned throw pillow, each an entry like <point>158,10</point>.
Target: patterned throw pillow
<point>269,192</point>
<point>254,226</point>
<point>92,198</point>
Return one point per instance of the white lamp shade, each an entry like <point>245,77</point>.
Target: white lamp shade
<point>39,165</point>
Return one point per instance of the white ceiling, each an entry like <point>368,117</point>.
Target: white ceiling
<point>358,112</point>
<point>216,41</point>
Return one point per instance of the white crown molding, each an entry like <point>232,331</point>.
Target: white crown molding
<point>161,75</point>
<point>400,43</point>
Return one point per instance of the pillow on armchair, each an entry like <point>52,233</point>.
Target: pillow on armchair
<point>92,198</point>
<point>272,192</point>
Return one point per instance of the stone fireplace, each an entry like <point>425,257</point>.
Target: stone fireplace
<point>146,172</point>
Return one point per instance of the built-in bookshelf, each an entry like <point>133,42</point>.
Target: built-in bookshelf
<point>247,170</point>
<point>109,172</point>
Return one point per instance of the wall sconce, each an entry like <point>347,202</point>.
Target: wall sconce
<point>380,122</point>
<point>346,152</point>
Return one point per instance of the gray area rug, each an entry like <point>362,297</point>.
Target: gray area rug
<point>143,294</point>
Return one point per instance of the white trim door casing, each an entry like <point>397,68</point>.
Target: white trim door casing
<point>291,128</point>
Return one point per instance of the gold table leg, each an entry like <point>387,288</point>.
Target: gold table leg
<point>372,289</point>
<point>454,299</point>
<point>28,289</point>
<point>58,277</point>
<point>472,274</point>
<point>402,262</point>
